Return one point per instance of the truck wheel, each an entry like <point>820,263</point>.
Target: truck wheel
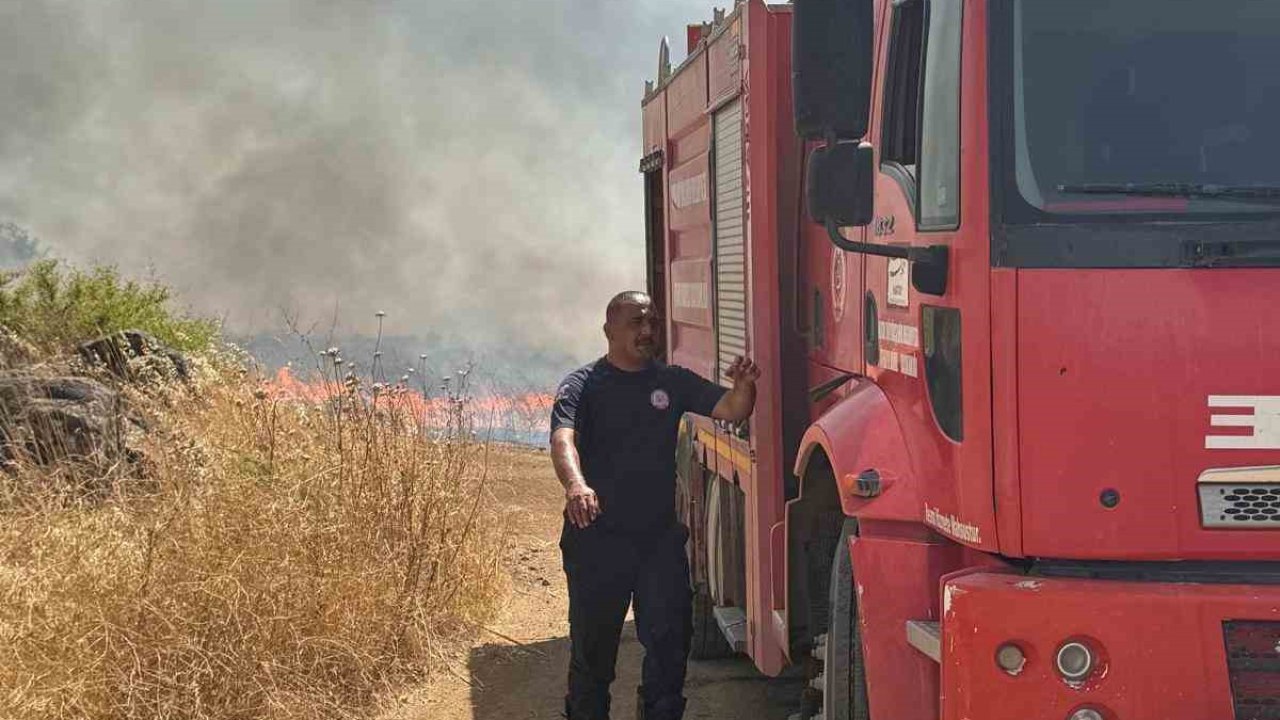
<point>844,683</point>
<point>708,642</point>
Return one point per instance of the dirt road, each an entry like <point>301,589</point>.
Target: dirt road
<point>517,670</point>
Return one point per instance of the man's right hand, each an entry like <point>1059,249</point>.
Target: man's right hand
<point>581,505</point>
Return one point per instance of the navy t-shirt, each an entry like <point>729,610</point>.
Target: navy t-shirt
<point>626,425</point>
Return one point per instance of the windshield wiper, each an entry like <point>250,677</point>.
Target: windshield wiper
<point>1175,189</point>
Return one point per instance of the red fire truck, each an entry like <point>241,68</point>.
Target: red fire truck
<point>1010,267</point>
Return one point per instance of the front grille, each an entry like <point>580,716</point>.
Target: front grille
<point>1253,661</point>
<point>1239,505</point>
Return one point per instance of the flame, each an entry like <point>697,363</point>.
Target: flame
<point>527,413</point>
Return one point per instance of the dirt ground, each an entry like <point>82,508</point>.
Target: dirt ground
<point>516,671</point>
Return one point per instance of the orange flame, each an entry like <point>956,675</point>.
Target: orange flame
<point>526,412</point>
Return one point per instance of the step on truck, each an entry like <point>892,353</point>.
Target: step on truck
<point>1010,268</point>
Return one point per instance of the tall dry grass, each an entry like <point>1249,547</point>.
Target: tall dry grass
<point>280,559</point>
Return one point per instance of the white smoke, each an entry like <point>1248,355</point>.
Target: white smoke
<point>469,167</point>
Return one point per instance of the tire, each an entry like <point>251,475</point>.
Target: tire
<point>708,642</point>
<point>844,682</point>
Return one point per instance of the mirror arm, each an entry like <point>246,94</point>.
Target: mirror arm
<point>935,259</point>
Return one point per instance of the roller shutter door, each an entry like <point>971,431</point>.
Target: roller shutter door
<point>730,239</point>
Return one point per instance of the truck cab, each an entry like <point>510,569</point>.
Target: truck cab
<point>1035,253</point>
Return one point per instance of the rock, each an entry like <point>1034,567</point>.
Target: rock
<point>135,356</point>
<point>61,419</point>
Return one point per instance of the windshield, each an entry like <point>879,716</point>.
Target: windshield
<point>1146,106</point>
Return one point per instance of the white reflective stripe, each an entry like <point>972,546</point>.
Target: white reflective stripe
<point>1231,420</point>
<point>690,191</point>
<point>692,295</point>
<point>1264,420</point>
<point>899,334</point>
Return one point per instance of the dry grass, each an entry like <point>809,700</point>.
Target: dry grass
<point>280,560</point>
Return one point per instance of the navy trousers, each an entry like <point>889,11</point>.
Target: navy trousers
<point>607,572</point>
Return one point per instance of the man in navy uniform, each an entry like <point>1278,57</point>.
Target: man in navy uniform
<point>613,441</point>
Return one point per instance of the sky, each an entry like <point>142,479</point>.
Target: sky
<point>468,167</point>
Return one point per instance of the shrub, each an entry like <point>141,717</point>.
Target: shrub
<point>55,308</point>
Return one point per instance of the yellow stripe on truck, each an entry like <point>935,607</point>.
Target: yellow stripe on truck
<point>725,449</point>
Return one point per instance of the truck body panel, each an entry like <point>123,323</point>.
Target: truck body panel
<point>1164,650</point>
<point>726,111</point>
<point>1159,368</point>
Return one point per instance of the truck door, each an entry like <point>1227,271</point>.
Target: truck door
<point>931,353</point>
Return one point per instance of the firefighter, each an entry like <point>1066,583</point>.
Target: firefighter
<point>613,439</point>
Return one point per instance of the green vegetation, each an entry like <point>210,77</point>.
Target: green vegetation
<point>55,307</point>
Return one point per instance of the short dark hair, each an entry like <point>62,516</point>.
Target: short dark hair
<point>623,299</point>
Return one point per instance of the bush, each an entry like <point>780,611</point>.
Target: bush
<point>56,308</point>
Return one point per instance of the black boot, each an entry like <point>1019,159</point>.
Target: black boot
<point>666,709</point>
<point>596,713</point>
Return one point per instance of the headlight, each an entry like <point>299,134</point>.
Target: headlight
<point>1075,662</point>
<point>1010,658</point>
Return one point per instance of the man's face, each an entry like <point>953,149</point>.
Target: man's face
<point>632,332</point>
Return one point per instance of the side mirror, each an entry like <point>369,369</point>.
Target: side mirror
<point>831,60</point>
<point>840,184</point>
<point>841,193</point>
